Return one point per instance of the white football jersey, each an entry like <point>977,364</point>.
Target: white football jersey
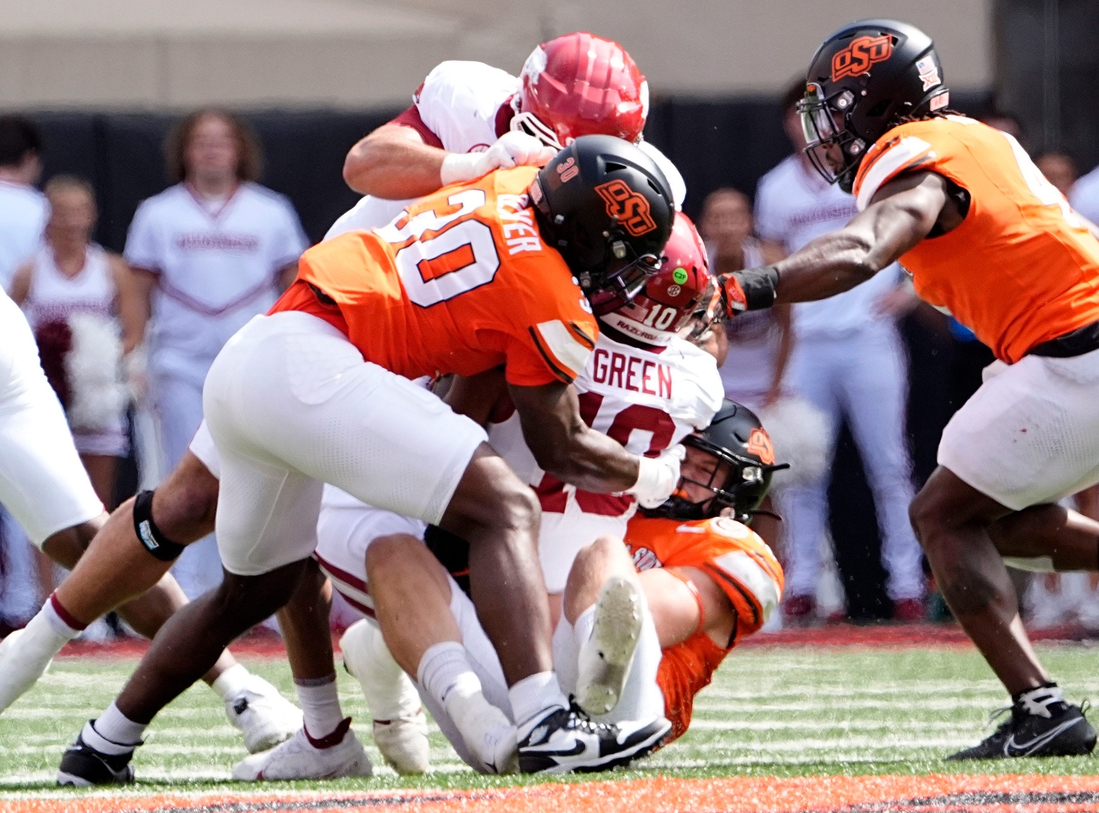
<point>215,269</point>
<point>464,105</point>
<point>794,205</point>
<point>646,399</point>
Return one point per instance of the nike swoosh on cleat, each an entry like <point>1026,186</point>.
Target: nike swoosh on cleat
<point>1013,749</point>
<point>579,748</point>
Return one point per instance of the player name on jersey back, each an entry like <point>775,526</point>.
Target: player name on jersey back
<point>634,372</point>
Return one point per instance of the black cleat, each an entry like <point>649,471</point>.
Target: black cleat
<point>85,767</point>
<point>1053,729</point>
<point>568,740</point>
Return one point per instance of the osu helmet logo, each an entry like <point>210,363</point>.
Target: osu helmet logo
<point>759,444</point>
<point>629,208</point>
<point>857,57</point>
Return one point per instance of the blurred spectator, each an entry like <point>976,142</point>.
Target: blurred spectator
<point>1059,169</point>
<point>209,253</point>
<point>23,209</point>
<point>23,212</point>
<point>72,275</point>
<point>848,362</point>
<point>759,341</point>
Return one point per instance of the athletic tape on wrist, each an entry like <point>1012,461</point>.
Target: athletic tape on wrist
<point>159,546</point>
<point>752,289</point>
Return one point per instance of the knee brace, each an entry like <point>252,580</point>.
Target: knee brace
<point>159,546</point>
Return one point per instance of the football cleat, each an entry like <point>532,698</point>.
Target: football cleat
<point>301,757</point>
<point>403,742</point>
<point>264,716</point>
<point>84,767</point>
<point>604,659</point>
<point>568,740</point>
<point>1037,728</point>
<point>400,725</point>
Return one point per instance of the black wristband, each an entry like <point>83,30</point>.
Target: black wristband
<point>758,285</point>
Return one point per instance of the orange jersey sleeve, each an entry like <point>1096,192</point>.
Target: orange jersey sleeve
<point>738,561</point>
<point>461,282</point>
<point>1022,268</point>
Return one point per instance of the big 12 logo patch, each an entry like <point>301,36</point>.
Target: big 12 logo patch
<point>857,57</point>
<point>627,206</point>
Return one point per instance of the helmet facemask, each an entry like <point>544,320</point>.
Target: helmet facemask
<point>617,280</point>
<point>824,123</point>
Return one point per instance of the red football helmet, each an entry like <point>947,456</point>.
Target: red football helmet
<point>580,84</point>
<point>677,291</point>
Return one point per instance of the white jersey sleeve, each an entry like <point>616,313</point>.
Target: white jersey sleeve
<point>144,240</point>
<point>458,101</point>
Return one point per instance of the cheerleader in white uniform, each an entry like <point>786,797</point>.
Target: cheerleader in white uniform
<point>80,303</point>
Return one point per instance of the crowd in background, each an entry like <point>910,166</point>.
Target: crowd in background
<point>126,342</point>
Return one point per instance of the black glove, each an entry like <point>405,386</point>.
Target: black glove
<point>749,290</point>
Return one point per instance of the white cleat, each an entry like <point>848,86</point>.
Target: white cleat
<point>400,725</point>
<point>487,732</point>
<point>403,742</point>
<point>603,663</point>
<point>24,658</point>
<point>299,758</point>
<point>264,716</point>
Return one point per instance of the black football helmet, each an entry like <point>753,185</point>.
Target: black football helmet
<point>863,80</point>
<point>607,207</point>
<point>736,436</point>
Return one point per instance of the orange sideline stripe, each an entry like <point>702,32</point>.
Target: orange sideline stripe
<point>820,794</point>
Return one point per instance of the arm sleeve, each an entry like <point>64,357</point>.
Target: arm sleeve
<point>144,242</point>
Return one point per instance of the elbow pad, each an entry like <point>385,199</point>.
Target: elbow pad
<point>750,290</point>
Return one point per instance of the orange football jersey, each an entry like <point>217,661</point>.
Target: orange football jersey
<point>739,562</point>
<point>461,282</point>
<point>1022,268</point>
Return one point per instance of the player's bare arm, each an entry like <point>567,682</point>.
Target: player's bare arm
<point>901,214</point>
<point>678,614</point>
<point>565,446</point>
<point>131,302</point>
<point>393,162</point>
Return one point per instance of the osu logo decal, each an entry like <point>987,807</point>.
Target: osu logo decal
<point>759,444</point>
<point>628,207</point>
<point>857,57</point>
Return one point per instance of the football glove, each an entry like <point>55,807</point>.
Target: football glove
<point>510,150</point>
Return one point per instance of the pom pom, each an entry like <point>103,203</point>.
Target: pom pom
<point>799,432</point>
<point>55,341</point>
<point>94,367</point>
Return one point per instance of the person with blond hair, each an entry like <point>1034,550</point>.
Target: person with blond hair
<point>209,253</point>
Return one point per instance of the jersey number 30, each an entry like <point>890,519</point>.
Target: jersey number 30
<point>443,254</point>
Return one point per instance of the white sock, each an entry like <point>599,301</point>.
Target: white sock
<point>231,682</point>
<point>320,705</point>
<point>533,697</point>
<point>113,732</point>
<point>584,625</point>
<point>58,618</point>
<point>445,668</point>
